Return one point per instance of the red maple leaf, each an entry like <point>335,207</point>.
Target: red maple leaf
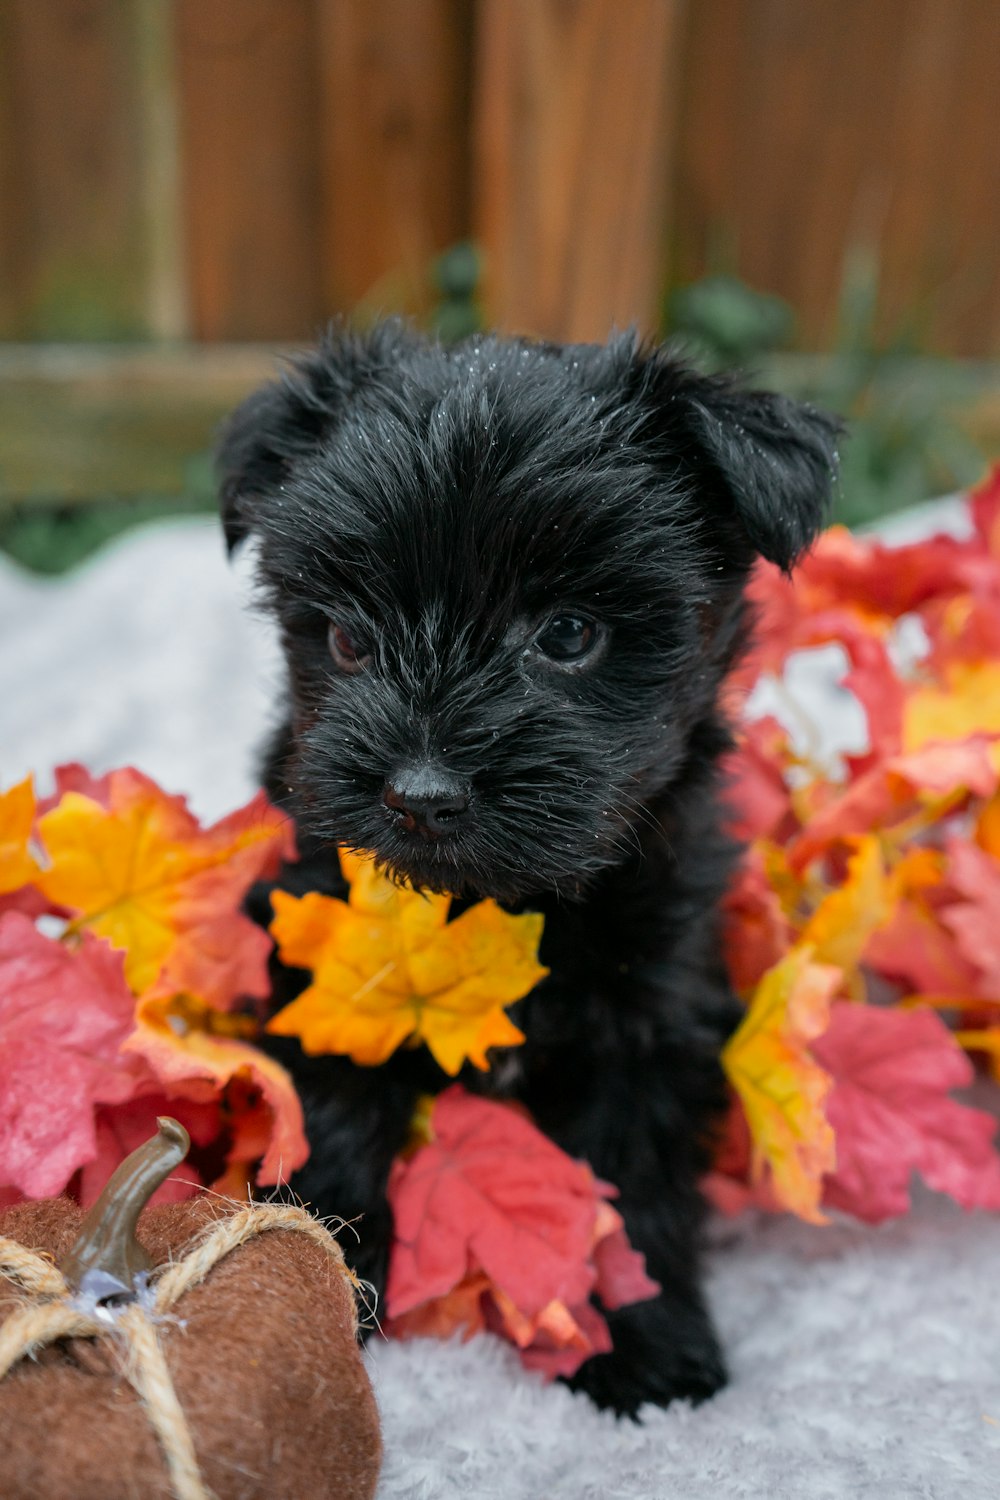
<point>497,1228</point>
<point>757,794</point>
<point>63,1016</point>
<point>74,777</point>
<point>120,1128</point>
<point>884,580</point>
<point>974,918</point>
<point>915,949</point>
<point>892,789</point>
<point>892,1115</point>
<point>756,931</point>
<point>489,1188</point>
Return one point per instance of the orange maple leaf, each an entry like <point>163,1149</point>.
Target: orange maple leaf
<point>388,967</point>
<point>141,872</point>
<point>966,703</point>
<point>199,1053</point>
<point>17,816</point>
<point>782,1089</point>
<point>839,928</point>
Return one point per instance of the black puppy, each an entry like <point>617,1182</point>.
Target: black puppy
<point>509,581</point>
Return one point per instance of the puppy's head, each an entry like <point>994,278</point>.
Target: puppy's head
<point>508,578</point>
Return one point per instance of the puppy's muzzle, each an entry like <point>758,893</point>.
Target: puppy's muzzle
<point>427,803</point>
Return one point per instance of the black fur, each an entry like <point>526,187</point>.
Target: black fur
<point>440,505</point>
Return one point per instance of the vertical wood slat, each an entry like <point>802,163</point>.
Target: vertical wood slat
<point>326,159</point>
<point>809,130</point>
<point>73,249</point>
<point>395,99</point>
<point>248,86</point>
<point>166,266</point>
<point>573,152</point>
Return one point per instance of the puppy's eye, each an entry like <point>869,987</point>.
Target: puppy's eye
<point>568,639</point>
<point>346,653</point>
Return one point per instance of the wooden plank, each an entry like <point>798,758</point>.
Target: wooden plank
<point>249,126</point>
<point>15,247</point>
<point>814,131</point>
<point>72,250</point>
<point>939,253</point>
<point>573,145</point>
<point>81,422</point>
<point>396,158</point>
<point>166,268</point>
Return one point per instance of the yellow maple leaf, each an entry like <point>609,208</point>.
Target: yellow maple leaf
<point>839,928</point>
<point>388,967</point>
<point>968,703</point>
<point>141,872</point>
<point>17,815</point>
<point>782,1089</point>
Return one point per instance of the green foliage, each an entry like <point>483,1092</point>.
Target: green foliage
<point>455,276</point>
<point>53,538</point>
<point>725,323</point>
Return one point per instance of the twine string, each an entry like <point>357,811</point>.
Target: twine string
<point>49,1313</point>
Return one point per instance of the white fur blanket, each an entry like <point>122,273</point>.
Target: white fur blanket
<point>865,1362</point>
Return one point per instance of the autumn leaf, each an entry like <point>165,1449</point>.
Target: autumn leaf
<point>757,930</point>
<point>17,817</point>
<point>966,703</point>
<point>913,947</point>
<point>199,1053</point>
<point>965,628</point>
<point>621,1270</point>
<point>892,1072</point>
<point>883,580</point>
<point>919,784</point>
<point>71,776</point>
<point>873,680</point>
<point>120,1128</point>
<point>556,1340</point>
<point>388,967</point>
<point>840,927</point>
<point>875,580</point>
<point>141,872</point>
<point>973,917</point>
<point>782,1089</point>
<point>497,1228</point>
<point>987,831</point>
<point>64,1014</point>
<point>757,795</point>
<point>490,1190</point>
<point>732,1186</point>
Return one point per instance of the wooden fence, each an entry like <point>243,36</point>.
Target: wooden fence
<point>241,169</point>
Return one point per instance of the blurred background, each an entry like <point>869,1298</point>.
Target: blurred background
<point>806,189</point>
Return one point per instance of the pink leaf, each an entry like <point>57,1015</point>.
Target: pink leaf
<point>892,1115</point>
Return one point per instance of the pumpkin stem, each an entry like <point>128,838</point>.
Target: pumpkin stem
<point>106,1258</point>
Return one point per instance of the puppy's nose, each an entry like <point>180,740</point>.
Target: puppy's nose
<point>427,802</point>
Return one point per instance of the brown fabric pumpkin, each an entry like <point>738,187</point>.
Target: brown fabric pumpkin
<point>263,1358</point>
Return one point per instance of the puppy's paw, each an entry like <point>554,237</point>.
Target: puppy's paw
<point>661,1354</point>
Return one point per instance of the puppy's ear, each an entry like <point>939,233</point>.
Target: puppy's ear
<point>766,463</point>
<point>284,420</point>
